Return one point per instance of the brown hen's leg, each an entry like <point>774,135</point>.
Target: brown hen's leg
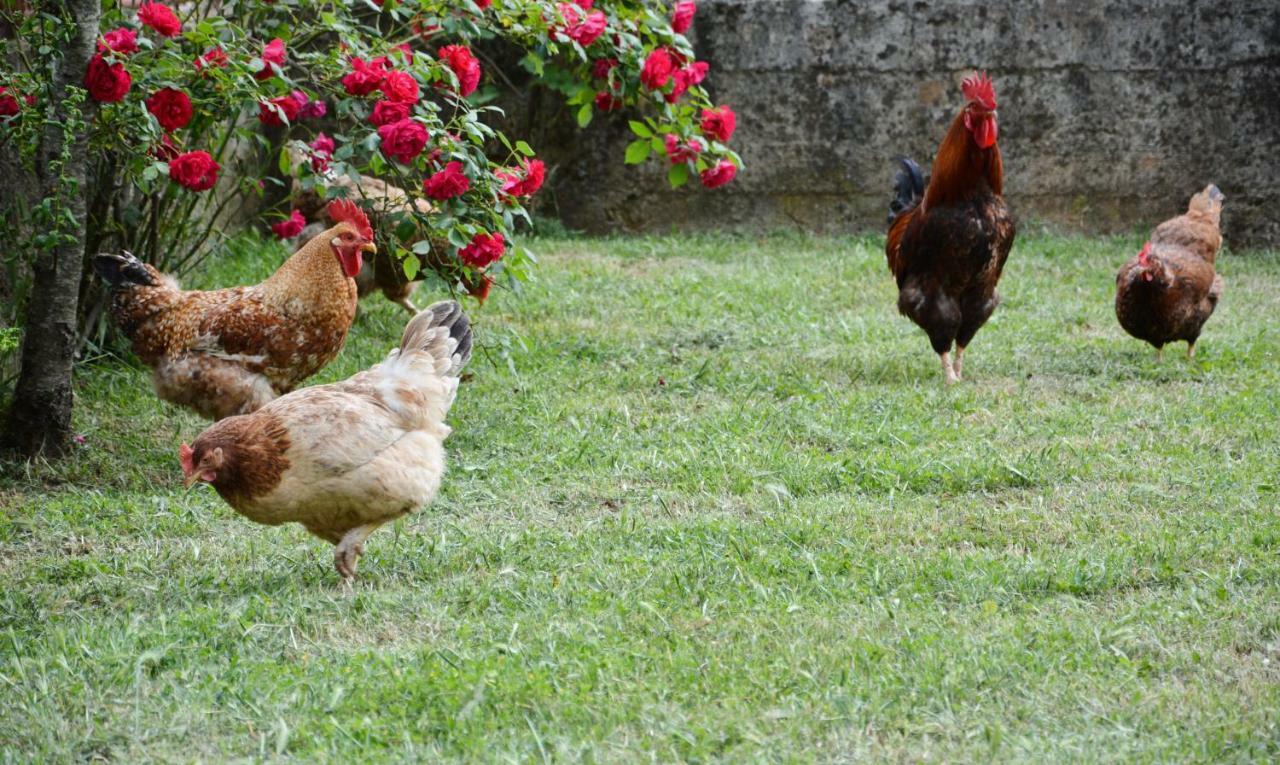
<point>1160,353</point>
<point>1191,351</point>
<point>350,548</point>
<point>958,362</point>
<point>949,372</point>
<point>407,305</point>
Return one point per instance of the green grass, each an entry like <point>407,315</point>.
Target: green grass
<point>708,501</point>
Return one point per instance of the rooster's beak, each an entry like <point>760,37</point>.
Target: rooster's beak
<point>369,247</point>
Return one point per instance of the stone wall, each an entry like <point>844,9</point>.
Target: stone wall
<point>1112,112</point>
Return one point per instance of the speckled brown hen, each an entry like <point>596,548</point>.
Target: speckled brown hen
<point>345,458</point>
<point>1169,290</point>
<point>230,351</point>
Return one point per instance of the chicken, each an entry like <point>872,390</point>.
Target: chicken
<point>345,458</point>
<point>383,272</point>
<point>231,351</point>
<point>948,243</point>
<point>1169,290</point>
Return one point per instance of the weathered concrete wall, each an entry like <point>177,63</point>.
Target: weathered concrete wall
<point>1112,112</point>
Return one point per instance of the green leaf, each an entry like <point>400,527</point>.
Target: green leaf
<point>584,115</point>
<point>285,164</point>
<point>640,129</point>
<point>422,247</point>
<point>638,151</point>
<point>410,264</point>
<point>524,148</point>
<point>678,175</point>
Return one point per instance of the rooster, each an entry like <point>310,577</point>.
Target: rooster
<point>231,351</point>
<point>1169,290</point>
<point>948,242</point>
<point>346,458</point>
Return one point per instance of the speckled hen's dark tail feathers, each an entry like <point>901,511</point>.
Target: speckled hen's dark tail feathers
<point>123,271</point>
<point>908,188</point>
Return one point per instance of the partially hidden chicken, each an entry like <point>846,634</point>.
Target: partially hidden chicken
<point>1170,289</point>
<point>948,242</point>
<point>389,206</point>
<point>230,351</point>
<point>345,458</point>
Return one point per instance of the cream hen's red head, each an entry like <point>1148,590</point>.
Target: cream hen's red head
<point>354,235</point>
<point>980,112</point>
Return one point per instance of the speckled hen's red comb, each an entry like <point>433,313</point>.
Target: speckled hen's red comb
<point>346,211</point>
<point>979,89</point>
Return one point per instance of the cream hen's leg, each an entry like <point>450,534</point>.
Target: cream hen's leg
<point>350,548</point>
<point>948,371</point>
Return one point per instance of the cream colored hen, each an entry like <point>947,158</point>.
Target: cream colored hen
<point>345,458</point>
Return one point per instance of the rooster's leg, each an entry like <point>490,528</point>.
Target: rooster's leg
<point>1160,353</point>
<point>408,305</point>
<point>350,548</point>
<point>1191,351</point>
<point>948,371</point>
<point>958,362</point>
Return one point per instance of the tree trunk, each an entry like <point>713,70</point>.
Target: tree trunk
<point>40,416</point>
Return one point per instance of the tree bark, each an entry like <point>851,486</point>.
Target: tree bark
<point>40,417</point>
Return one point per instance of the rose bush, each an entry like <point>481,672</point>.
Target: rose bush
<point>289,93</point>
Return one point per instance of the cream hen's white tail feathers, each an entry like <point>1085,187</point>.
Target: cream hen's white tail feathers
<point>419,380</point>
<point>438,337</point>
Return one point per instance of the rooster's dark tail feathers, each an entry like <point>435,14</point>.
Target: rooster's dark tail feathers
<point>908,188</point>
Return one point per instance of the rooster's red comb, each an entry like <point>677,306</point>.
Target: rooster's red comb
<point>346,211</point>
<point>1144,257</point>
<point>979,89</point>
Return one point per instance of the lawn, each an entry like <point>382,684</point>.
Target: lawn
<point>708,501</point>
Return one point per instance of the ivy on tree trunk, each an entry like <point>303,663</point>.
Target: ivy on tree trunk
<point>39,420</point>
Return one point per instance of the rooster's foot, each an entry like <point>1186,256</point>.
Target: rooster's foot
<point>948,371</point>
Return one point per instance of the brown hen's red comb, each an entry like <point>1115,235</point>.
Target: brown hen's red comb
<point>1144,257</point>
<point>979,89</point>
<point>346,211</point>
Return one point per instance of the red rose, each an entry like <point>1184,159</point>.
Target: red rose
<point>722,173</point>
<point>161,18</point>
<point>718,123</point>
<point>405,52</point>
<point>478,288</point>
<point>321,152</point>
<point>216,57</point>
<point>602,66</point>
<point>483,250</point>
<point>448,183</point>
<point>403,140</point>
<point>106,82</point>
<point>606,102</point>
<point>194,170</point>
<point>289,227</point>
<point>172,108</point>
<point>685,77</point>
<point>386,112</point>
<point>273,113</point>
<point>364,78</point>
<point>272,53</point>
<point>165,151</point>
<point>679,152</point>
<point>682,16</point>
<point>583,31</point>
<point>465,66</point>
<point>657,69</point>
<point>401,87</point>
<point>584,4</point>
<point>9,105</point>
<point>122,41</point>
<point>526,182</point>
